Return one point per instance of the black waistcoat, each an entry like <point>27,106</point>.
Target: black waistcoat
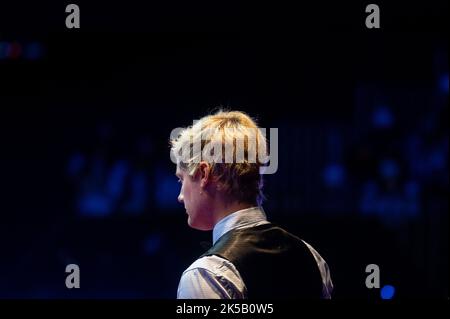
<point>272,262</point>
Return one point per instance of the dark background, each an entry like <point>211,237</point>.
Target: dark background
<point>85,119</point>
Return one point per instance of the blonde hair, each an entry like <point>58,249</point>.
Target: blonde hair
<point>233,145</point>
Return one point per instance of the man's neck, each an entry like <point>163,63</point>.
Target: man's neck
<point>230,208</point>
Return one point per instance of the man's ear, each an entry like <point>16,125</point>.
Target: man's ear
<point>204,170</point>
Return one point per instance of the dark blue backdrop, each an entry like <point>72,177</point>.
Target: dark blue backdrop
<point>86,176</point>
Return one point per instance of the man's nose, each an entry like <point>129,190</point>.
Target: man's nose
<point>180,198</point>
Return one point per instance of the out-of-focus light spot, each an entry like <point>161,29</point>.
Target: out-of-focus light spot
<point>388,168</point>
<point>369,194</point>
<point>138,199</point>
<point>437,160</point>
<point>4,49</point>
<point>94,205</point>
<point>412,189</point>
<point>116,180</point>
<point>152,244</point>
<point>387,292</point>
<point>382,117</point>
<point>167,190</point>
<point>334,175</point>
<point>443,83</point>
<point>33,51</point>
<point>14,50</point>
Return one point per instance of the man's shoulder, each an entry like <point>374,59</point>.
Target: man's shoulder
<point>211,277</point>
<point>213,264</point>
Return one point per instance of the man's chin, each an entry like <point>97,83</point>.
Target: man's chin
<point>190,222</point>
<point>197,226</point>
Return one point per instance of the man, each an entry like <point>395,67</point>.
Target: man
<point>250,257</point>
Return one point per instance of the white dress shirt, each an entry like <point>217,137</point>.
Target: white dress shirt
<point>213,277</point>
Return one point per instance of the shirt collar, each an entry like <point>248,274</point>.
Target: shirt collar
<point>241,218</point>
